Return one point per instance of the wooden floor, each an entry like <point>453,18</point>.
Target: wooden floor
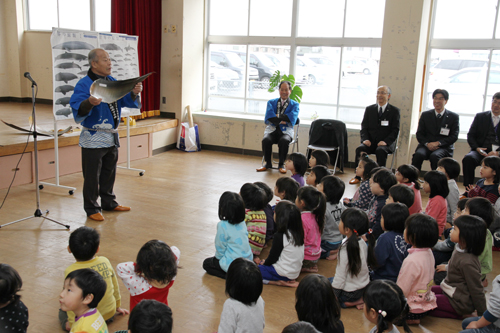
<point>175,201</point>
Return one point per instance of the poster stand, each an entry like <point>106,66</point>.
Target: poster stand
<point>141,172</point>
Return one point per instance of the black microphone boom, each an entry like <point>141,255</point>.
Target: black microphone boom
<point>28,76</point>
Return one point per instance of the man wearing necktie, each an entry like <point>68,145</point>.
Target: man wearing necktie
<point>379,129</point>
<point>437,132</point>
<point>483,139</point>
<point>281,115</point>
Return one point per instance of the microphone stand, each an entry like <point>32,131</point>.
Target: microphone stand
<point>38,212</point>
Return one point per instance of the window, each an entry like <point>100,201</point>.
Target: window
<point>69,14</point>
<point>464,57</point>
<point>333,58</point>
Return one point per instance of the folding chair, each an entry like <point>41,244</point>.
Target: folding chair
<point>393,153</point>
<point>323,136</point>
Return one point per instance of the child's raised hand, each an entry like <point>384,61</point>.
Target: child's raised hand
<point>122,311</point>
<point>470,187</point>
<point>346,200</point>
<point>441,268</point>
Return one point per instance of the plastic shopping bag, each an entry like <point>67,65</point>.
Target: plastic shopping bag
<point>189,138</point>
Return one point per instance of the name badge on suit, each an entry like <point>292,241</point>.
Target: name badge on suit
<point>384,123</point>
<point>445,130</point>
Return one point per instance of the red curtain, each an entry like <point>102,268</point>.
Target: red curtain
<point>142,18</point>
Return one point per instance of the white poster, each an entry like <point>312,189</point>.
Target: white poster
<point>70,49</point>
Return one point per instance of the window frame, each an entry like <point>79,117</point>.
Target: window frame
<point>92,4</point>
<point>487,44</point>
<point>294,42</point>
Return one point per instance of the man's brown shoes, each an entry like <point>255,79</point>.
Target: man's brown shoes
<point>121,208</point>
<point>354,181</point>
<point>96,217</point>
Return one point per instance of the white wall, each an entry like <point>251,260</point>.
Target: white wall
<point>247,135</point>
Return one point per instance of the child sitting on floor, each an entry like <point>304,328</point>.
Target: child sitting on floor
<point>150,316</point>
<point>444,248</point>
<point>451,169</point>
<point>286,189</point>
<point>385,304</point>
<point>391,248</point>
<point>489,322</point>
<point>284,262</point>
<point>363,195</point>
<point>401,193</point>
<point>83,290</point>
<point>436,185</point>
<point>316,303</point>
<point>407,174</point>
<point>297,164</point>
<point>487,186</point>
<point>331,238</point>
<point>268,210</point>
<point>84,245</point>
<point>461,293</point>
<point>153,273</point>
<point>243,311</point>
<point>380,184</point>
<point>352,274</point>
<point>13,312</point>
<point>255,201</point>
<point>317,173</point>
<point>312,204</point>
<point>231,240</point>
<point>417,271</point>
<point>319,157</point>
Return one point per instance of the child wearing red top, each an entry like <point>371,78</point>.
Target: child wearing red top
<point>436,184</point>
<point>153,273</point>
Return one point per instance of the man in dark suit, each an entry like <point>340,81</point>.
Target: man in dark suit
<point>437,132</point>
<point>483,139</point>
<point>379,129</point>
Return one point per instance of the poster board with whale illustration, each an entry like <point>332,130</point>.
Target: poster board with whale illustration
<point>70,49</point>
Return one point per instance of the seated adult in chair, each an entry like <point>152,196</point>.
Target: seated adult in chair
<point>379,129</point>
<point>437,132</point>
<point>281,116</point>
<point>483,139</point>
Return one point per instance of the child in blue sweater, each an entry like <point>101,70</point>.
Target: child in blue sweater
<point>391,248</point>
<point>231,241</point>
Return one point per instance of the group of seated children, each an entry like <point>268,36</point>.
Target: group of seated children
<point>91,297</point>
<point>394,259</point>
<point>382,235</point>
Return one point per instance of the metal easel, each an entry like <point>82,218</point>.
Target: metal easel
<point>141,172</point>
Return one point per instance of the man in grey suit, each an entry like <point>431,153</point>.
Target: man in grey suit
<point>437,132</point>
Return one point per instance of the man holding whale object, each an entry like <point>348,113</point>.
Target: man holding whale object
<point>99,138</point>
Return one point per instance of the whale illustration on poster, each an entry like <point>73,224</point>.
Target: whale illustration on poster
<point>70,49</point>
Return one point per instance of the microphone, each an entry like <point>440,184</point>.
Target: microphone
<point>28,76</point>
